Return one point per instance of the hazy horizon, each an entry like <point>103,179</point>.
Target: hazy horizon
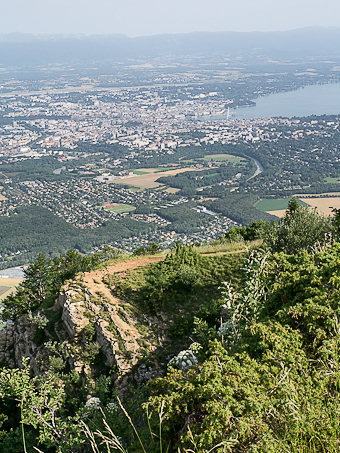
<point>90,35</point>
<point>134,18</point>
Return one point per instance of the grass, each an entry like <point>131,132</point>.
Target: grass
<point>121,208</point>
<point>227,247</point>
<point>275,204</point>
<point>145,171</point>
<point>331,180</point>
<point>224,158</point>
<point>139,172</point>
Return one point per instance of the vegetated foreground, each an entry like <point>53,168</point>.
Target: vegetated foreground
<point>230,351</point>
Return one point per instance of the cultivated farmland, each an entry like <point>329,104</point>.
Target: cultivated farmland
<point>7,286</point>
<point>323,204</point>
<point>148,180</point>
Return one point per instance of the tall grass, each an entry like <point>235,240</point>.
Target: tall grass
<point>225,247</point>
<point>107,441</point>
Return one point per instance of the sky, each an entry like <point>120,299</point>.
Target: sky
<point>149,17</point>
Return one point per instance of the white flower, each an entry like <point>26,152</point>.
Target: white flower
<point>93,403</point>
<point>184,360</point>
<point>112,407</point>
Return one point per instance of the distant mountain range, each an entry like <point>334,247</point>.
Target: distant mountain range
<point>23,49</point>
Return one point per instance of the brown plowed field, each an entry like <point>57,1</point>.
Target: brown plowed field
<point>148,181</point>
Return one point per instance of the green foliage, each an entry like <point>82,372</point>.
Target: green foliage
<point>41,402</point>
<point>267,346</point>
<point>35,229</point>
<point>336,223</point>
<point>151,249</point>
<point>300,229</point>
<point>178,273</point>
<point>43,280</point>
<point>275,387</point>
<point>258,229</point>
<point>237,206</point>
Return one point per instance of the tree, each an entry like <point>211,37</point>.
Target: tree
<point>300,229</point>
<point>37,281</point>
<point>276,388</point>
<point>41,402</point>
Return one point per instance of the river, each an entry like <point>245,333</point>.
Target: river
<point>259,169</point>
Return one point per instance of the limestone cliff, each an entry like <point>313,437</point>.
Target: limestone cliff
<point>88,321</point>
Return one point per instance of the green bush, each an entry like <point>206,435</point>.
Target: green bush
<point>274,387</point>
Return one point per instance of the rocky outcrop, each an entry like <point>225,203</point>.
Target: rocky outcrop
<point>17,342</point>
<point>89,302</point>
<point>73,303</point>
<point>7,354</point>
<point>87,318</point>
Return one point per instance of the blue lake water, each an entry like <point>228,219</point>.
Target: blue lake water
<point>310,100</point>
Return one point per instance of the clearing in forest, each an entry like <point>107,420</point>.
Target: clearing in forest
<point>225,158</point>
<point>148,180</point>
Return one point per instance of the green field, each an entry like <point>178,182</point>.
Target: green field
<point>331,180</point>
<point>139,172</point>
<point>129,186</point>
<point>133,188</point>
<point>121,209</point>
<point>274,204</point>
<point>190,161</point>
<point>146,171</point>
<point>224,158</point>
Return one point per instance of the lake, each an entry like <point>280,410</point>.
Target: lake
<point>310,100</point>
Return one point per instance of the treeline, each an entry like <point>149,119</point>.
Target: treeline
<point>183,218</point>
<point>238,207</point>
<point>189,181</point>
<point>34,229</point>
<point>192,152</point>
<point>45,277</point>
<point>297,164</point>
<point>115,150</point>
<point>31,169</point>
<point>250,362</point>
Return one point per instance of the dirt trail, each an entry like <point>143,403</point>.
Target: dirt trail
<point>119,327</point>
<point>94,279</point>
<point>124,323</point>
<point>91,278</point>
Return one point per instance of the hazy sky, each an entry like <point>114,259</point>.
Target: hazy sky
<point>146,17</point>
